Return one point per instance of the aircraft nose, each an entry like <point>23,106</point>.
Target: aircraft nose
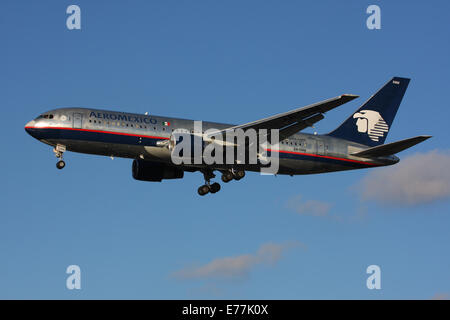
<point>29,127</point>
<point>29,124</point>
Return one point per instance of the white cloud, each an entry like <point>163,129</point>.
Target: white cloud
<point>441,296</point>
<point>420,178</point>
<point>309,207</point>
<point>236,266</point>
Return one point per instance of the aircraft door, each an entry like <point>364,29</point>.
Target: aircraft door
<point>320,147</point>
<point>77,120</point>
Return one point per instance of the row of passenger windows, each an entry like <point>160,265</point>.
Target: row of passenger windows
<point>124,124</point>
<point>140,126</point>
<point>294,143</point>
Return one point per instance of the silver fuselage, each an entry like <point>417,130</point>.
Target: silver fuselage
<point>129,135</point>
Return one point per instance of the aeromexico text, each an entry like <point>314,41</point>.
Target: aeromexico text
<point>123,117</point>
<point>230,147</point>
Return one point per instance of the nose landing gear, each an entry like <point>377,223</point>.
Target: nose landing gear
<point>60,164</point>
<point>59,150</point>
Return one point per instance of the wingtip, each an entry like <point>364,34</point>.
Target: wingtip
<point>423,137</point>
<point>350,96</point>
<point>405,79</point>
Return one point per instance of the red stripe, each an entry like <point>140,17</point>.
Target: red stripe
<point>165,138</point>
<point>100,131</point>
<point>326,157</point>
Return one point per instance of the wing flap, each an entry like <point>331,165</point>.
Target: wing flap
<point>286,132</point>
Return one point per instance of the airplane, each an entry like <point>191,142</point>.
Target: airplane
<point>356,144</point>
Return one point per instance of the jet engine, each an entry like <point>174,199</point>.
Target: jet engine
<point>154,171</point>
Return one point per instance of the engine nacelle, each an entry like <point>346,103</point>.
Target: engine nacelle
<point>154,171</point>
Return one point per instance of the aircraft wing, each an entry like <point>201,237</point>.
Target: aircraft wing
<point>295,120</point>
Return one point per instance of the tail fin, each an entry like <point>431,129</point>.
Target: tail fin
<point>370,124</point>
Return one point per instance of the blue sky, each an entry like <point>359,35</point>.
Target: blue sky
<point>233,62</point>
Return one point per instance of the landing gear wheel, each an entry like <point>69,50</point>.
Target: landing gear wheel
<point>208,174</point>
<point>60,164</point>
<point>58,151</point>
<point>227,177</point>
<point>202,190</point>
<point>215,187</point>
<point>238,175</point>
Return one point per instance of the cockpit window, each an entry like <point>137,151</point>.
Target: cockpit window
<point>45,116</point>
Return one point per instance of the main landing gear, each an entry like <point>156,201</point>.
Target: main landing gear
<point>208,186</point>
<point>59,150</point>
<point>227,176</point>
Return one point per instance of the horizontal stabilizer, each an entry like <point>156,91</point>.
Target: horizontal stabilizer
<point>390,148</point>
